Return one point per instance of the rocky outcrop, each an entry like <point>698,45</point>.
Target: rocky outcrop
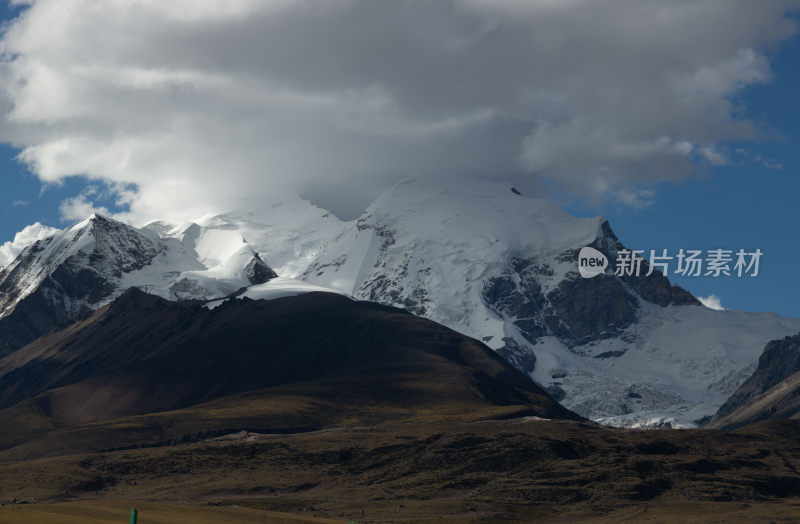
<point>56,280</point>
<point>61,278</point>
<point>772,391</point>
<point>259,272</point>
<point>578,310</point>
<point>582,310</point>
<point>516,294</point>
<point>518,356</point>
<point>655,287</point>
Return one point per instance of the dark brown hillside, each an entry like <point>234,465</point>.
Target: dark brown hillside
<point>143,354</point>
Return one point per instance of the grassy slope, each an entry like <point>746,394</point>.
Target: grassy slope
<point>461,471</point>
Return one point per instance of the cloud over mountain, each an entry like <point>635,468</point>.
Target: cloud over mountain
<point>180,105</point>
<point>30,234</point>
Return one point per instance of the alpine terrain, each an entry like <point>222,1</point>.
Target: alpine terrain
<point>771,392</point>
<point>474,255</point>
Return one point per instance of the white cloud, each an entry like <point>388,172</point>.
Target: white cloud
<point>769,163</point>
<point>714,156</point>
<point>75,209</point>
<point>24,238</point>
<point>198,101</point>
<point>711,302</point>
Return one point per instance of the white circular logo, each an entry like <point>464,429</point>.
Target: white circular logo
<point>591,262</point>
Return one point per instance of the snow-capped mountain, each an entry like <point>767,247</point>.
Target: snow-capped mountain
<point>88,265</point>
<point>480,258</point>
<point>472,254</point>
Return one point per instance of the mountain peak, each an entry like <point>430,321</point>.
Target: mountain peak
<point>97,222</point>
<point>88,221</point>
<point>94,261</point>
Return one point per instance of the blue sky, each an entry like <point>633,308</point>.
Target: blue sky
<point>745,205</point>
<point>26,200</point>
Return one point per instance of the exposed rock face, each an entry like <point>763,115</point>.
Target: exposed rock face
<point>516,294</point>
<point>578,310</point>
<point>780,359</point>
<point>61,278</point>
<point>582,310</point>
<point>772,391</point>
<point>654,288</point>
<point>58,279</point>
<point>259,272</point>
<point>77,268</point>
<point>519,356</point>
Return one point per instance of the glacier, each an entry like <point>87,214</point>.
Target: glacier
<point>473,255</point>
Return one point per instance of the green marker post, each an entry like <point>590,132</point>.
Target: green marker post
<point>133,516</point>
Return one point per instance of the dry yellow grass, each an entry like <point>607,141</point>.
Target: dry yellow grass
<point>117,512</point>
<point>519,470</point>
